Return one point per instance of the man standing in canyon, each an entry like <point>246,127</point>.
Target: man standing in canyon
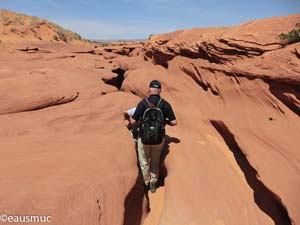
<point>152,114</point>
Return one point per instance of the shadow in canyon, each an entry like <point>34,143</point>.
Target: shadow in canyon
<point>264,198</point>
<point>137,201</point>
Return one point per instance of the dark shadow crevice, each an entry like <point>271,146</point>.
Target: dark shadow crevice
<point>163,169</point>
<point>265,199</point>
<point>282,92</point>
<point>118,80</point>
<point>162,59</point>
<point>196,76</point>
<point>93,52</point>
<point>241,50</point>
<point>34,50</point>
<point>135,201</point>
<point>297,54</point>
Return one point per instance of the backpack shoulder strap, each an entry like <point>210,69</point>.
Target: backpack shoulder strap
<point>160,103</point>
<point>146,102</point>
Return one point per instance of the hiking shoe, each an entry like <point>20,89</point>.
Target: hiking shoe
<point>153,187</point>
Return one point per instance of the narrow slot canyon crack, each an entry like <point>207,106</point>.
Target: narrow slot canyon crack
<point>156,200</point>
<point>134,204</point>
<point>265,199</point>
<point>139,204</point>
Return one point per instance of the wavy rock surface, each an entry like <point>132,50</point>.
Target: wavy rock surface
<point>61,156</point>
<point>243,89</point>
<point>234,158</point>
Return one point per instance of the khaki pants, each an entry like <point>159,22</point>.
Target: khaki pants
<point>149,159</point>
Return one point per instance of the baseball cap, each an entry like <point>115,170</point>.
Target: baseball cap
<point>155,84</point>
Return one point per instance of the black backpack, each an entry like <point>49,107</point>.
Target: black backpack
<point>153,123</point>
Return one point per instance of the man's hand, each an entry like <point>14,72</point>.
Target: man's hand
<point>171,123</point>
<point>132,121</point>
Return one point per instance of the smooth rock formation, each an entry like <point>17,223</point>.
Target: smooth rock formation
<point>16,27</point>
<point>233,159</point>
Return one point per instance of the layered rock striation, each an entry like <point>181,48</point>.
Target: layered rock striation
<point>233,159</point>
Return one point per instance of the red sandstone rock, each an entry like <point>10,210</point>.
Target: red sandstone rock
<point>20,28</point>
<point>232,160</point>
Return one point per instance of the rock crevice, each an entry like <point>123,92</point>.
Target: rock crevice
<point>265,199</point>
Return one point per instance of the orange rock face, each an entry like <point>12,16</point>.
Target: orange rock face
<point>233,159</point>
<point>20,28</point>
